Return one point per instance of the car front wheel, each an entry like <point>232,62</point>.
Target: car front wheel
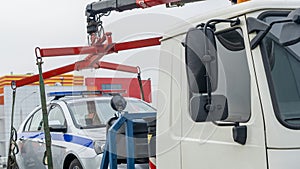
<point>75,164</point>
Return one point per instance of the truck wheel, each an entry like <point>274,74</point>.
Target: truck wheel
<point>75,164</point>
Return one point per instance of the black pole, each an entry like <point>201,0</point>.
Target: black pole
<point>140,83</point>
<point>48,153</point>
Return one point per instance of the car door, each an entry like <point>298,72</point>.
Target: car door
<point>56,118</point>
<point>31,142</point>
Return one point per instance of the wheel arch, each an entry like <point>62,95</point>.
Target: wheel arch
<point>68,159</point>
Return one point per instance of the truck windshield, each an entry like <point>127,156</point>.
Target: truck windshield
<point>96,113</point>
<point>283,67</point>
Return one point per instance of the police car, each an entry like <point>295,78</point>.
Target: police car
<point>78,130</point>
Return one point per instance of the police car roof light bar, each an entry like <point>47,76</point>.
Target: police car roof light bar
<point>74,93</point>
<point>61,94</point>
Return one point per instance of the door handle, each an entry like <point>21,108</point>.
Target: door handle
<point>40,140</point>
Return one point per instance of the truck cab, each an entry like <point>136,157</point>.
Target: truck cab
<point>230,86</point>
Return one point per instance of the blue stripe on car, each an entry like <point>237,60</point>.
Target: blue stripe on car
<point>60,137</point>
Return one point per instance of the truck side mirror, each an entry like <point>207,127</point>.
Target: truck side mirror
<point>202,74</point>
<point>290,33</point>
<point>201,60</point>
<point>201,111</point>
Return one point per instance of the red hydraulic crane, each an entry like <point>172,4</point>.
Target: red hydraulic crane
<point>98,47</point>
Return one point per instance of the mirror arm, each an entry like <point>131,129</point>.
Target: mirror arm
<point>208,84</point>
<point>216,21</point>
<point>258,38</point>
<point>207,58</point>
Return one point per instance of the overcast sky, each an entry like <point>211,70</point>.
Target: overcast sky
<point>61,23</point>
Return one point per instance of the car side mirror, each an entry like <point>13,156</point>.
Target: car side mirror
<point>290,33</point>
<point>201,60</point>
<point>56,126</point>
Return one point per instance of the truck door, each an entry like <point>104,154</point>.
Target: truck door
<point>216,144</point>
<point>279,83</point>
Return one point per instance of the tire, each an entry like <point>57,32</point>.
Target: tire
<point>75,164</point>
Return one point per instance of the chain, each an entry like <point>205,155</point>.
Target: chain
<point>48,153</point>
<point>13,147</point>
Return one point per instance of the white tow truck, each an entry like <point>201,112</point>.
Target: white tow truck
<point>230,87</point>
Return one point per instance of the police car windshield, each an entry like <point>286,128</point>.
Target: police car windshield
<point>96,113</point>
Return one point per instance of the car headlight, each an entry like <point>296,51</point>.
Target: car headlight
<point>99,146</point>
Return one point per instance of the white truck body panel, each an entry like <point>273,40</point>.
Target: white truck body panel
<point>283,159</point>
<point>183,143</point>
<point>168,121</point>
<point>277,135</point>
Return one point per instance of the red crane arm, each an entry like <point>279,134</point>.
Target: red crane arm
<point>136,44</point>
<point>51,73</point>
<point>108,48</point>
<point>119,67</point>
<point>73,67</point>
<point>96,52</point>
